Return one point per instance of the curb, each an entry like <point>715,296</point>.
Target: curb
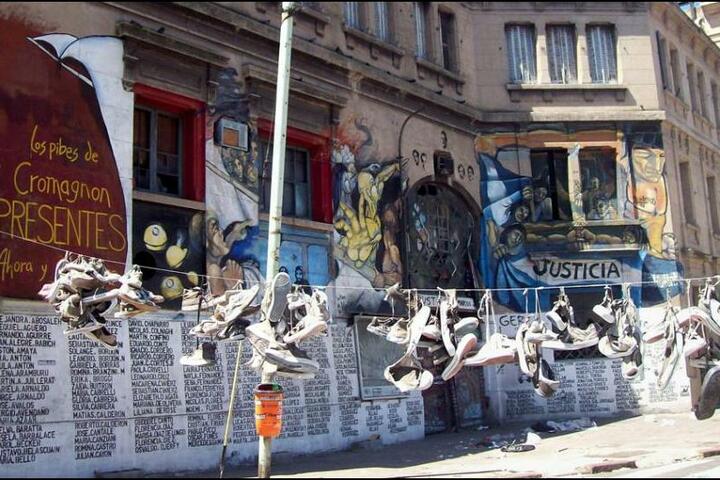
<point>607,466</point>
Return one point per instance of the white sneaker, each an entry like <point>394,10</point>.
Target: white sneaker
<point>407,374</point>
<point>499,349</point>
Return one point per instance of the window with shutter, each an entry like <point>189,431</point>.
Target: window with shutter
<point>675,67</point>
<point>352,14</point>
<point>447,36</point>
<point>421,30</point>
<point>701,94</point>
<point>601,53</point>
<point>382,21</point>
<point>714,94</point>
<point>692,87</point>
<point>662,59</point>
<point>521,53</point>
<point>561,53</point>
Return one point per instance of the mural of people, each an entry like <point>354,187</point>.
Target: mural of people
<point>517,216</point>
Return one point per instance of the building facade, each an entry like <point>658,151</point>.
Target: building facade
<point>463,145</point>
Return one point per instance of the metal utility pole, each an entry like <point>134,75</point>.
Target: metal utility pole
<point>276,186</point>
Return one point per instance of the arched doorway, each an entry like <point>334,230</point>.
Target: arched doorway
<point>441,249</point>
<point>441,238</point>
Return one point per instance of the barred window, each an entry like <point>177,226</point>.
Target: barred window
<point>686,184</point>
<point>714,94</point>
<point>521,53</point>
<point>382,21</point>
<point>601,53</point>
<point>561,53</point>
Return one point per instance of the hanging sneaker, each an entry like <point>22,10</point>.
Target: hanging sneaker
<point>103,336</point>
<point>614,347</point>
<point>407,374</point>
<point>544,381</point>
<point>194,297</point>
<point>559,316</point>
<point>399,332</point>
<point>275,301</point>
<point>709,394</point>
<point>234,331</point>
<point>432,329</point>
<point>466,344</point>
<point>381,326</point>
<point>527,352</point>
<point>202,356</point>
<point>445,327</point>
<point>539,333</point>
<point>604,310</point>
<point>574,338</point>
<point>498,349</point>
<point>291,357</point>
<point>464,326</point>
<point>695,344</point>
<point>670,358</point>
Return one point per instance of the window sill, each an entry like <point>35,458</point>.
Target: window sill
<point>300,223</point>
<point>434,67</point>
<point>549,89</point>
<point>374,41</point>
<point>168,200</point>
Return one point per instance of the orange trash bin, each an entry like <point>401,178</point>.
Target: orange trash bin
<point>268,409</point>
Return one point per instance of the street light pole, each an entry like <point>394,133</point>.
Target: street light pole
<point>276,187</point>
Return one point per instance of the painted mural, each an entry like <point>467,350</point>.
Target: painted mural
<point>60,184</point>
<point>235,238</point>
<point>168,238</point>
<point>567,205</point>
<point>367,219</point>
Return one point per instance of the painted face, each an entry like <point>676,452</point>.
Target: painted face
<point>649,163</point>
<point>514,238</point>
<point>539,194</point>
<point>521,213</point>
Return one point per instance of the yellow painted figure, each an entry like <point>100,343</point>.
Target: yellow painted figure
<point>361,230</point>
<point>649,194</point>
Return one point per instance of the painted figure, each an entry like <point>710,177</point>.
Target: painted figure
<point>648,194</point>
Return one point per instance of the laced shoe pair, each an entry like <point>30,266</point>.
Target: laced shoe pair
<point>407,373</point>
<point>314,322</point>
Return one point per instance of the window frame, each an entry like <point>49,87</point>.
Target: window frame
<point>319,165</point>
<point>675,72</point>
<point>573,34</point>
<point>553,175</point>
<point>153,151</point>
<point>262,206</point>
<point>591,52</point>
<point>387,24</point>
<point>424,21</point>
<point>663,61</point>
<point>715,105</point>
<point>701,93</point>
<point>450,61</point>
<point>531,51</point>
<point>686,186</point>
<point>692,85</point>
<point>191,112</point>
<point>712,201</point>
<point>359,10</point>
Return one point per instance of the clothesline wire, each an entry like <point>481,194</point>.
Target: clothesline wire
<point>664,284</point>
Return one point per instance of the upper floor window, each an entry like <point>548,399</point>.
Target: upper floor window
<point>353,15</point>
<point>601,53</point>
<point>447,37</point>
<point>687,193</point>
<point>701,93</point>
<point>561,53</point>
<point>521,53</point>
<point>421,30</point>
<point>296,186</point>
<point>662,60</point>
<point>157,165</point>
<point>675,70</point>
<point>714,94</point>
<point>598,177</point>
<point>712,200</point>
<point>692,86</point>
<point>382,21</point>
<point>551,199</point>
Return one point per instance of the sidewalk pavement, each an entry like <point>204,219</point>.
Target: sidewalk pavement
<point>643,441</point>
